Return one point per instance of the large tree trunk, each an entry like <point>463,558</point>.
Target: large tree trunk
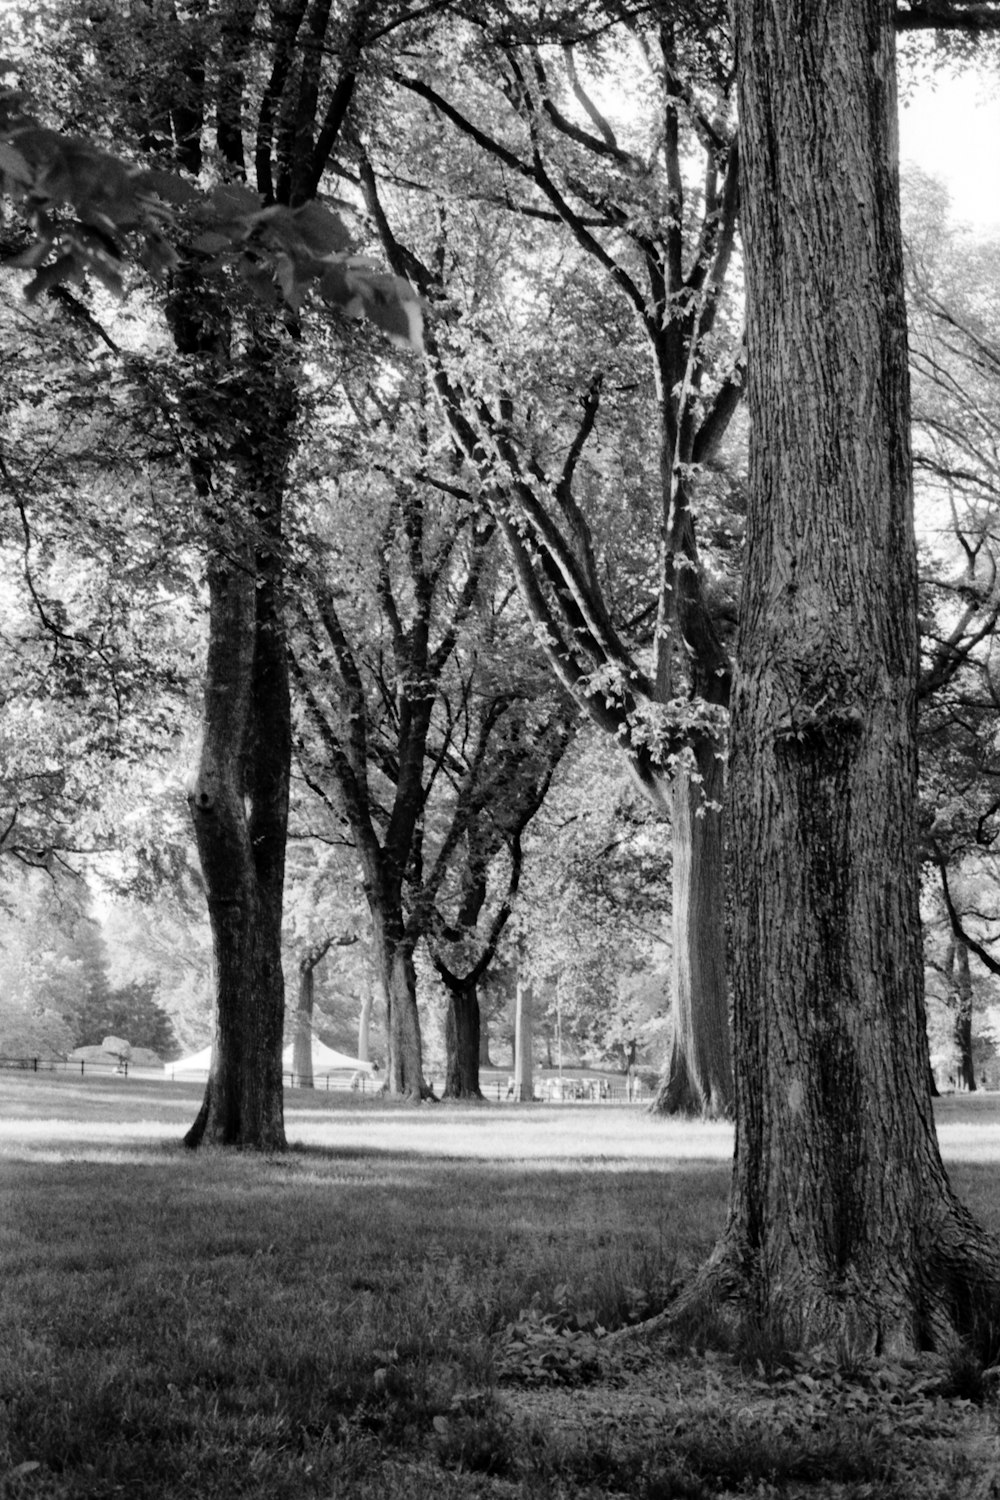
<point>842,1223</point>
<point>461,1026</point>
<point>238,456</point>
<point>699,1073</point>
<point>244,760</point>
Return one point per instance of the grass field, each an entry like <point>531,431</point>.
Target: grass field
<point>411,1303</point>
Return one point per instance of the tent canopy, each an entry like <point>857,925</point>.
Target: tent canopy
<point>195,1066</point>
<point>324,1060</point>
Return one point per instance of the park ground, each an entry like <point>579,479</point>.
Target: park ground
<point>416,1302</point>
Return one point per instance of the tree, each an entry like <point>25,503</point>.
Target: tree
<point>955,363</point>
<point>233,228</point>
<point>131,1011</point>
<point>543,146</point>
<point>51,960</point>
<point>94,662</point>
<point>158,937</point>
<point>238,411</point>
<point>950,982</point>
<point>58,992</point>
<point>513,784</point>
<point>422,724</point>
<point>324,922</point>
<point>368,715</point>
<point>842,1223</point>
<point>597,881</point>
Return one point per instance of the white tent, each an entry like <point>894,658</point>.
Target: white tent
<point>324,1059</point>
<point>195,1066</point>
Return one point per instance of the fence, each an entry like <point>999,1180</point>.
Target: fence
<point>81,1066</point>
<point>571,1091</point>
<point>553,1090</point>
<point>355,1083</point>
<point>78,1065</point>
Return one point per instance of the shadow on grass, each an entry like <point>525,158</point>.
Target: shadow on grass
<point>333,1321</point>
<point>225,1324</point>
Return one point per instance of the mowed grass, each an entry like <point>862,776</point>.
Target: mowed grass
<point>409,1303</point>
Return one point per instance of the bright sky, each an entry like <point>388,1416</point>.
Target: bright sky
<point>952,131</point>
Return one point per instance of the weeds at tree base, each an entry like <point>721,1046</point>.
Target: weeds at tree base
<point>558,1347</point>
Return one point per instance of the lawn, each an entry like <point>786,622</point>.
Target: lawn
<point>411,1303</point>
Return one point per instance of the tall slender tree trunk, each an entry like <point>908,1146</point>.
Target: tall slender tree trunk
<point>547,1038</point>
<point>462,1036</point>
<point>963,1015</point>
<point>524,1077</point>
<point>698,1078</point>
<point>302,1048</point>
<point>842,1224</point>
<point>699,1075</point>
<point>302,1045</point>
<point>365,1021</point>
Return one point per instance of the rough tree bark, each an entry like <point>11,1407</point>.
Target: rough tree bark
<point>842,1223</point>
<point>240,790</point>
<point>462,1037</point>
<point>242,861</point>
